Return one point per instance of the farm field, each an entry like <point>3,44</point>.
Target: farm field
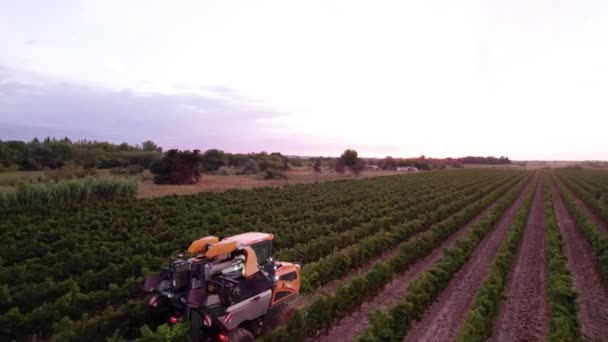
<point>470,254</point>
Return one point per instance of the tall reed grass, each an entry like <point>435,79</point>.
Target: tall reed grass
<point>29,195</point>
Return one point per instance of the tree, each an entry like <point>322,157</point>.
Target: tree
<point>349,158</point>
<point>149,146</point>
<point>317,165</point>
<point>358,167</point>
<point>389,163</point>
<point>285,163</point>
<point>177,167</point>
<point>213,159</point>
<point>339,166</point>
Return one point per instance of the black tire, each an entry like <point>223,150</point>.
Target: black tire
<point>240,334</point>
<point>196,326</point>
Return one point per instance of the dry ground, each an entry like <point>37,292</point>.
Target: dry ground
<point>208,183</point>
<point>214,183</point>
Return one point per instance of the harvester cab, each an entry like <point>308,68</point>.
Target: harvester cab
<point>230,289</point>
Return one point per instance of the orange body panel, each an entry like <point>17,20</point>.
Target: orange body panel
<point>200,246</point>
<point>222,247</point>
<point>288,284</point>
<point>251,264</point>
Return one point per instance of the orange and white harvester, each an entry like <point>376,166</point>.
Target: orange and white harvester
<point>229,289</point>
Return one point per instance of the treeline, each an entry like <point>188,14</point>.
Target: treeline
<point>483,160</point>
<point>427,163</point>
<point>55,153</point>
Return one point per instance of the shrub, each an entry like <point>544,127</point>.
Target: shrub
<point>131,170</point>
<point>177,167</point>
<point>250,167</point>
<point>69,171</point>
<point>274,174</point>
<point>223,171</point>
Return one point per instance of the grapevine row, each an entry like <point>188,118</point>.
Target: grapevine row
<point>324,312</point>
<point>478,322</point>
<point>563,321</point>
<point>337,264</point>
<point>597,240</point>
<point>394,324</point>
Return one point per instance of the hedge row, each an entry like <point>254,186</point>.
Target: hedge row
<point>328,310</point>
<point>394,324</point>
<point>479,320</point>
<point>563,321</point>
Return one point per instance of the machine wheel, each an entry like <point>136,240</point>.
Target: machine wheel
<point>196,326</point>
<point>278,316</point>
<point>240,334</point>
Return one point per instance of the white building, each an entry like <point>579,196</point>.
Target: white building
<point>407,168</point>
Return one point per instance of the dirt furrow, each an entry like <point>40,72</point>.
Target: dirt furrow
<point>589,212</point>
<point>357,322</point>
<point>443,319</point>
<point>523,314</point>
<point>592,297</point>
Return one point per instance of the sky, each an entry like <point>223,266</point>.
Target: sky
<point>524,79</point>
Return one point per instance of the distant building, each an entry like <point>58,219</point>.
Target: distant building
<point>407,168</point>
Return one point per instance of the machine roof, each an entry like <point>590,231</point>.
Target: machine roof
<point>248,239</point>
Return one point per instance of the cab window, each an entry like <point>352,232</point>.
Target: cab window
<point>263,251</point>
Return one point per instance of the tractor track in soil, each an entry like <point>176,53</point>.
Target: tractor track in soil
<point>523,313</point>
<point>587,209</point>
<point>354,324</point>
<point>443,319</point>
<point>592,296</point>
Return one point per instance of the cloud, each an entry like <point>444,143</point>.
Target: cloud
<point>202,118</point>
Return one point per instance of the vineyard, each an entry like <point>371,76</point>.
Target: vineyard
<point>469,255</point>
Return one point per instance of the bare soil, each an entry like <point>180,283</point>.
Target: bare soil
<point>353,325</point>
<point>523,311</point>
<point>595,218</point>
<point>592,297</point>
<point>443,319</point>
<point>215,183</point>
